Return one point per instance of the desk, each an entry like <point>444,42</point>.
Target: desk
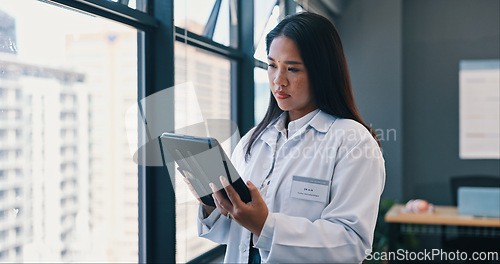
<point>443,216</point>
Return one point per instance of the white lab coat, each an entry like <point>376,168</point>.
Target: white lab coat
<point>339,230</point>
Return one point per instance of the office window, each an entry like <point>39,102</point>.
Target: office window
<point>270,15</point>
<point>209,79</point>
<point>3,114</point>
<point>209,18</point>
<point>59,61</point>
<point>272,20</point>
<point>261,94</point>
<point>263,10</point>
<point>202,97</point>
<point>140,5</point>
<point>269,12</point>
<point>62,60</point>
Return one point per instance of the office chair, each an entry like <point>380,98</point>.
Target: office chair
<point>467,243</point>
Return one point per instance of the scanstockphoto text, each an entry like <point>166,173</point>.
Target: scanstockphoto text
<point>431,255</point>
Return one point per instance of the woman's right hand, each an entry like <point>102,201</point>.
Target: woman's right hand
<point>208,209</point>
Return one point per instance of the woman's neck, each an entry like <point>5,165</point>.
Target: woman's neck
<point>292,116</point>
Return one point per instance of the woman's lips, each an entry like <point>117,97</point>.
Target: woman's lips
<point>281,95</point>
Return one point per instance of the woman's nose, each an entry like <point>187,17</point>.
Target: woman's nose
<point>280,79</point>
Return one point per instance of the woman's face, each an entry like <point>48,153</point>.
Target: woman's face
<point>289,79</point>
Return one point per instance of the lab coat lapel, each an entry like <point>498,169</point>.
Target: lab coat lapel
<point>269,136</point>
<point>322,122</point>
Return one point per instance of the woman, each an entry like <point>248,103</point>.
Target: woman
<point>314,169</point>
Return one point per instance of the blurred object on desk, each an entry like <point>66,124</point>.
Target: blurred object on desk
<point>479,201</point>
<point>418,206</point>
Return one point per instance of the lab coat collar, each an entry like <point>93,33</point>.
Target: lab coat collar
<point>270,133</point>
<point>321,122</point>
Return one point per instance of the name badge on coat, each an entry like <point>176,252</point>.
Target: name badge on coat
<point>310,189</point>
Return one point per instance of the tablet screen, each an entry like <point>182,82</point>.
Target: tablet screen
<point>202,161</point>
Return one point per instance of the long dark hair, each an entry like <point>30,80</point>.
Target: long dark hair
<point>321,49</point>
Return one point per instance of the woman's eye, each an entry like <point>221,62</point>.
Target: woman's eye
<point>292,69</point>
<point>271,66</point>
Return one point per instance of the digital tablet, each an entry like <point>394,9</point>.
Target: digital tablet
<point>202,161</point>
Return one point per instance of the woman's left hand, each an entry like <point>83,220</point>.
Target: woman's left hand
<point>251,215</point>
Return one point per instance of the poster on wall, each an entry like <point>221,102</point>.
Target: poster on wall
<point>479,109</point>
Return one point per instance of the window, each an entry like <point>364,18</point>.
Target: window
<point>212,19</point>
<point>266,19</point>
<point>206,98</point>
<point>261,93</point>
<point>194,19</point>
<point>80,76</point>
<point>19,95</point>
<point>272,20</point>
<point>263,19</point>
<point>3,114</point>
<point>4,153</point>
<point>140,5</point>
<point>64,89</point>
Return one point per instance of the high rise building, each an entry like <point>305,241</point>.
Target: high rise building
<point>43,157</point>
<point>43,161</point>
<point>109,61</point>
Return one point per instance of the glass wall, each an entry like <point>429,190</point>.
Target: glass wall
<point>212,19</point>
<point>202,99</point>
<point>261,93</point>
<point>68,185</point>
<point>140,5</point>
<point>270,14</point>
<point>202,96</point>
<point>268,19</point>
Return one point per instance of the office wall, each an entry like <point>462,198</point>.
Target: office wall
<point>436,35</point>
<point>403,57</point>
<point>371,36</point>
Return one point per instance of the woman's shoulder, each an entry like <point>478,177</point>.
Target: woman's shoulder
<point>350,130</point>
<point>348,124</point>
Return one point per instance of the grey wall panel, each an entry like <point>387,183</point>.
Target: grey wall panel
<point>437,34</point>
<point>371,36</point>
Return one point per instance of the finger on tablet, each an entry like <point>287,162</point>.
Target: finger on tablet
<point>234,197</point>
